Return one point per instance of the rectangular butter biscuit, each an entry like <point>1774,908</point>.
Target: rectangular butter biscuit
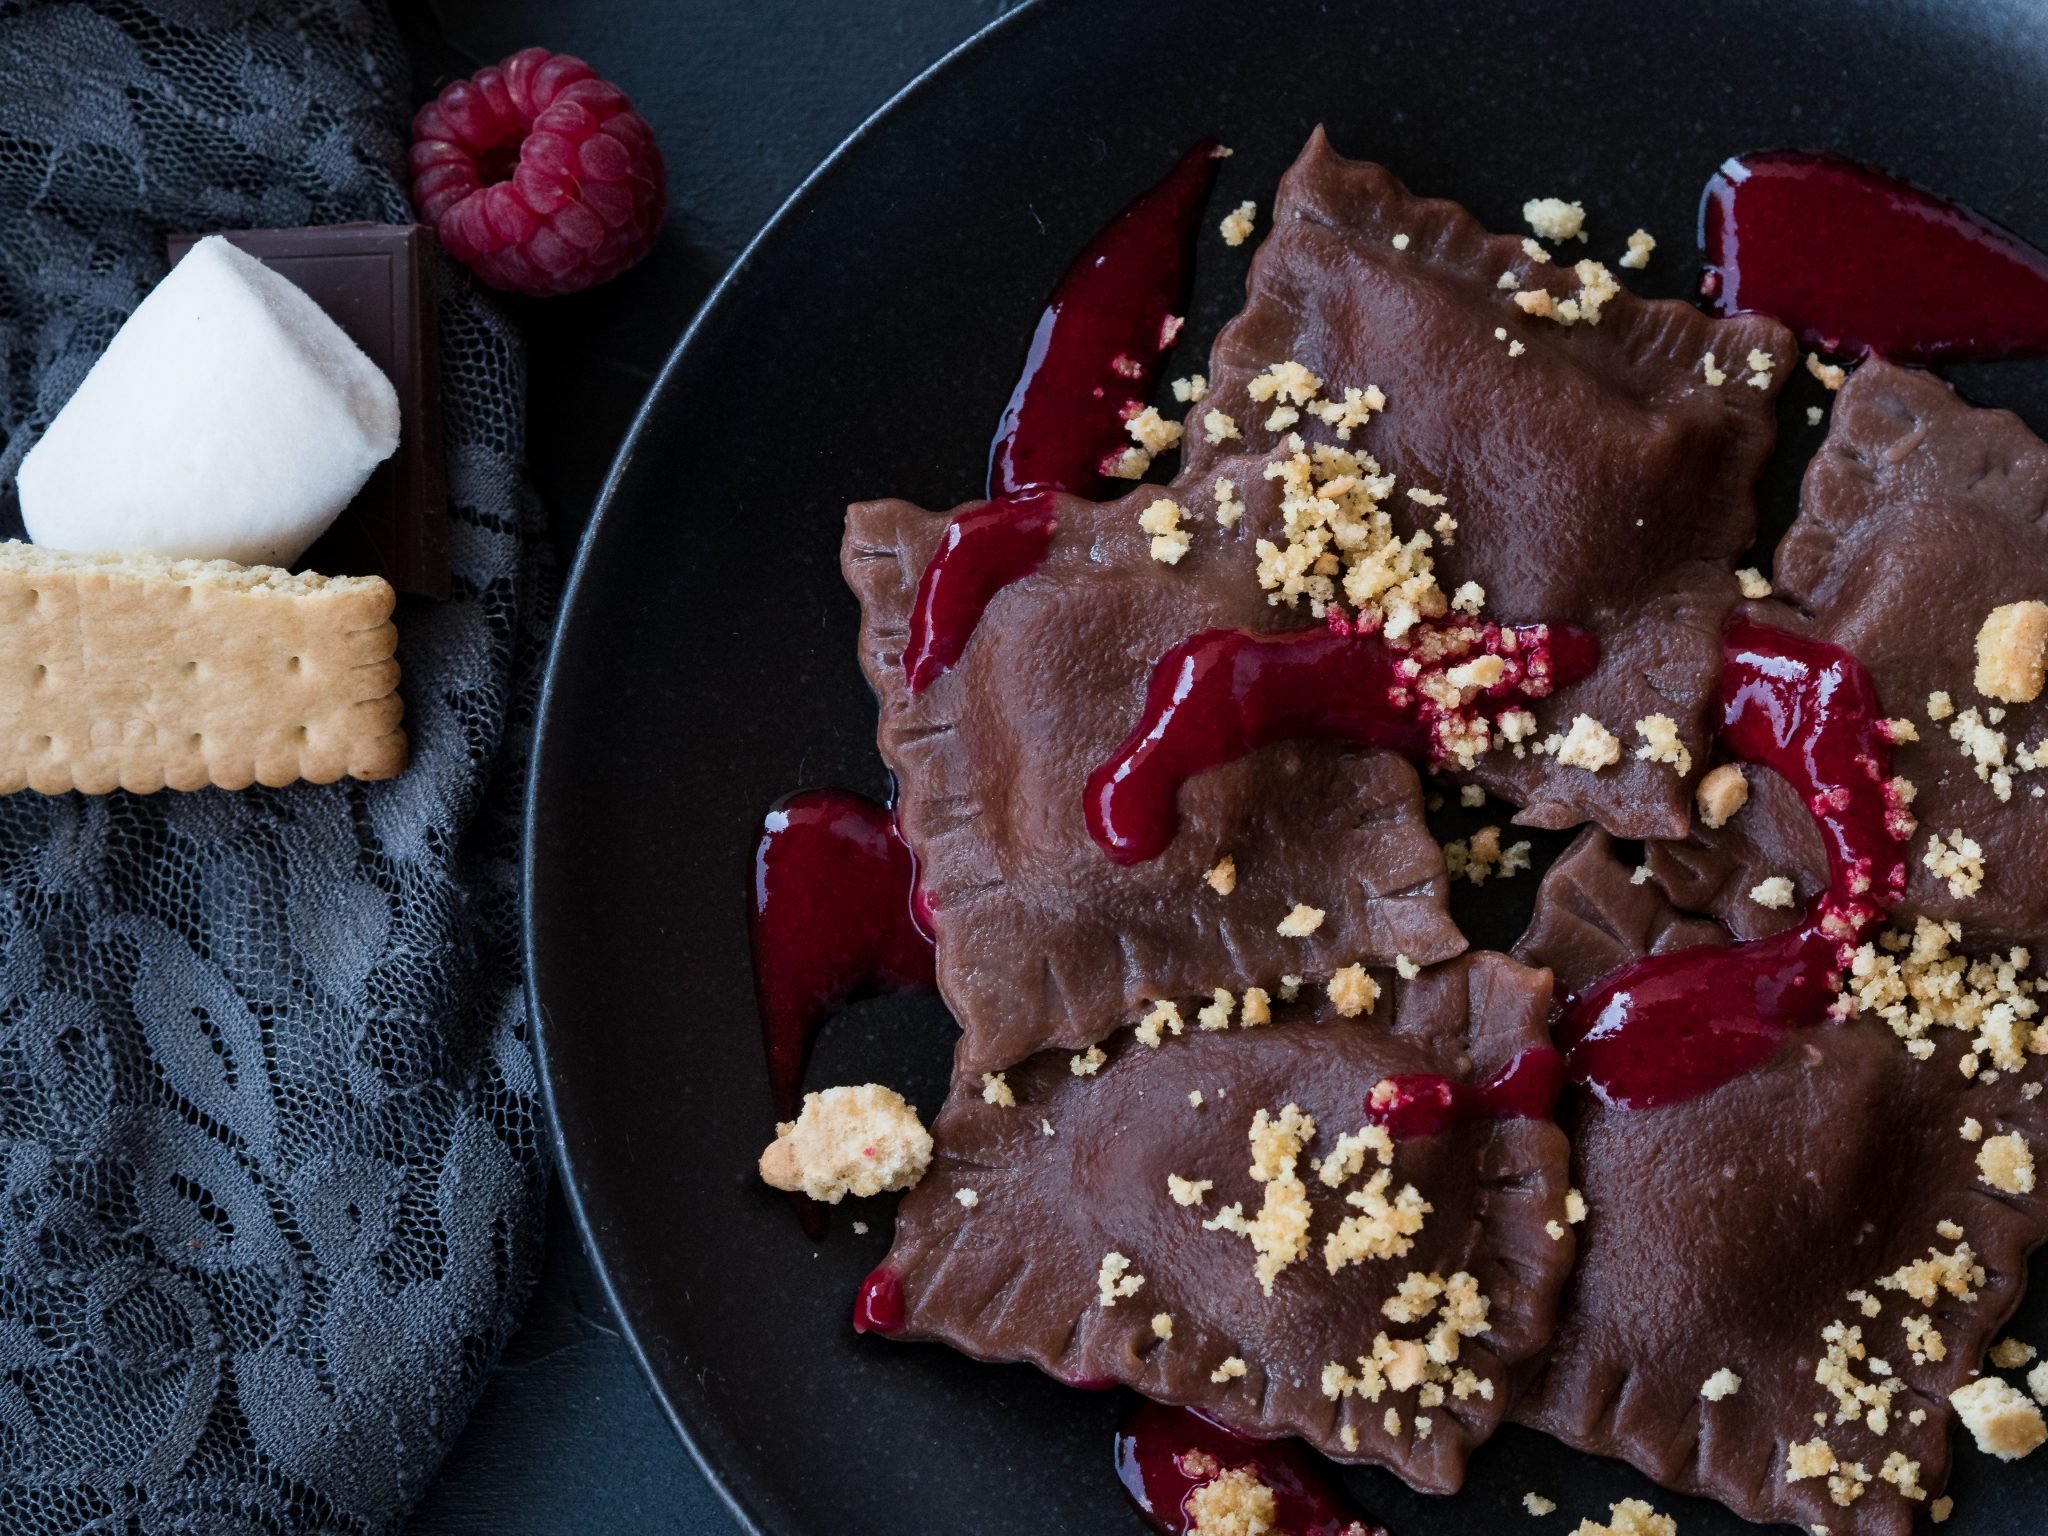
<point>139,673</point>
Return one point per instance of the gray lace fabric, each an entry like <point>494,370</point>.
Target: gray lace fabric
<point>268,1118</point>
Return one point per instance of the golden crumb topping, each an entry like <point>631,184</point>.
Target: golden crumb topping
<point>1114,1281</point>
<point>1776,892</point>
<point>1752,583</point>
<point>1131,464</point>
<point>1761,363</point>
<point>1661,744</point>
<point>1169,540</point>
<point>1152,431</point>
<point>1301,921</point>
<point>849,1141</point>
<point>1162,1019</point>
<point>1536,1504</point>
<point>1830,376</point>
<point>2012,652</point>
<point>1716,376</point>
<point>1088,1063</point>
<point>1215,1014</point>
<point>1631,1517</point>
<point>1640,244</point>
<point>1589,745</point>
<point>1219,427</point>
<point>1222,877</point>
<point>1237,224</point>
<point>1999,1417</point>
<point>1555,219</point>
<point>1188,1191</point>
<point>996,1090</point>
<point>1233,1503</point>
<point>1722,793</point>
<point>1256,1008</point>
<point>1723,1383</point>
<point>2011,1354</point>
<point>1353,991</point>
<point>968,1198</point>
<point>1190,389</point>
<point>1231,1368</point>
<point>1481,857</point>
<point>2007,1163</point>
<point>1959,861</point>
<point>1956,1274</point>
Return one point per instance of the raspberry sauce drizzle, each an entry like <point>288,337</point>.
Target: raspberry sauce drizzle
<point>982,551</point>
<point>1672,1026</point>
<point>1114,315</point>
<point>1223,693</point>
<point>834,919</point>
<point>1855,259</point>
<point>1413,1104</point>
<point>1164,1454</point>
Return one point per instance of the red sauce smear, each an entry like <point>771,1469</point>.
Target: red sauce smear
<point>834,920</point>
<point>982,551</point>
<point>1412,1104</point>
<point>1223,693</point>
<point>1164,1454</point>
<point>878,1308</point>
<point>1855,259</point>
<point>1672,1026</point>
<point>1112,317</point>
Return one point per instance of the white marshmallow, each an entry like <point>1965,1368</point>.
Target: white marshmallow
<point>229,419</point>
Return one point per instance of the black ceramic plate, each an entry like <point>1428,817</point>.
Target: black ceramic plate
<point>863,346</point>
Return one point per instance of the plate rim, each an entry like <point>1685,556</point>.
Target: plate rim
<point>739,1508</point>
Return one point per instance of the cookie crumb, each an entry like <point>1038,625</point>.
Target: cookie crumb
<point>1830,376</point>
<point>2007,1163</point>
<point>1661,744</point>
<point>1353,991</point>
<point>1190,389</point>
<point>1777,893</point>
<point>1045,1125</point>
<point>1555,219</point>
<point>1114,1281</point>
<point>1631,1517</point>
<point>1959,861</point>
<point>1088,1063</point>
<point>2012,652</point>
<point>860,1229</point>
<point>1230,1370</point>
<point>1723,1383</point>
<point>1760,363</point>
<point>1188,1191</point>
<point>1169,540</point>
<point>1195,1100</point>
<point>1940,1510</point>
<point>1131,464</point>
<point>1162,1326</point>
<point>858,1141</point>
<point>1722,793</point>
<point>1400,242</point>
<point>1215,1015</point>
<point>1219,427</point>
<point>1716,376</point>
<point>1348,1437</point>
<point>1538,1505</point>
<point>1814,415</point>
<point>1939,706</point>
<point>1752,582</point>
<point>1256,1008</point>
<point>1152,431</point>
<point>1999,1417</point>
<point>968,1198</point>
<point>1471,795</point>
<point>1163,1016</point>
<point>1299,923</point>
<point>1237,224</point>
<point>1640,244</point>
<point>1589,745</point>
<point>996,1091</point>
<point>1223,877</point>
<point>1233,1503</point>
<point>2011,1354</point>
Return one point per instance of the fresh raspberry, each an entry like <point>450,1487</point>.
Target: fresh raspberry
<point>538,176</point>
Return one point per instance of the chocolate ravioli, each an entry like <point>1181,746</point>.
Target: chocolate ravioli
<point>1731,1232</point>
<point>1042,939</point>
<point>1597,477</point>
<point>1919,515</point>
<point>1076,1171</point>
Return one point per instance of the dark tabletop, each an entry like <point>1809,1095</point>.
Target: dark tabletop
<point>745,99</point>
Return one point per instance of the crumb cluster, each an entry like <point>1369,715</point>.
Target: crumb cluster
<point>858,1141</point>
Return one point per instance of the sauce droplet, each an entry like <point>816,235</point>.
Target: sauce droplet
<point>1164,1454</point>
<point>833,920</point>
<point>1413,1104</point>
<point>1223,693</point>
<point>878,1308</point>
<point>1672,1026</point>
<point>1855,259</point>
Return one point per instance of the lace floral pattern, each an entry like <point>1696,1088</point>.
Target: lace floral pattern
<point>268,1115</point>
